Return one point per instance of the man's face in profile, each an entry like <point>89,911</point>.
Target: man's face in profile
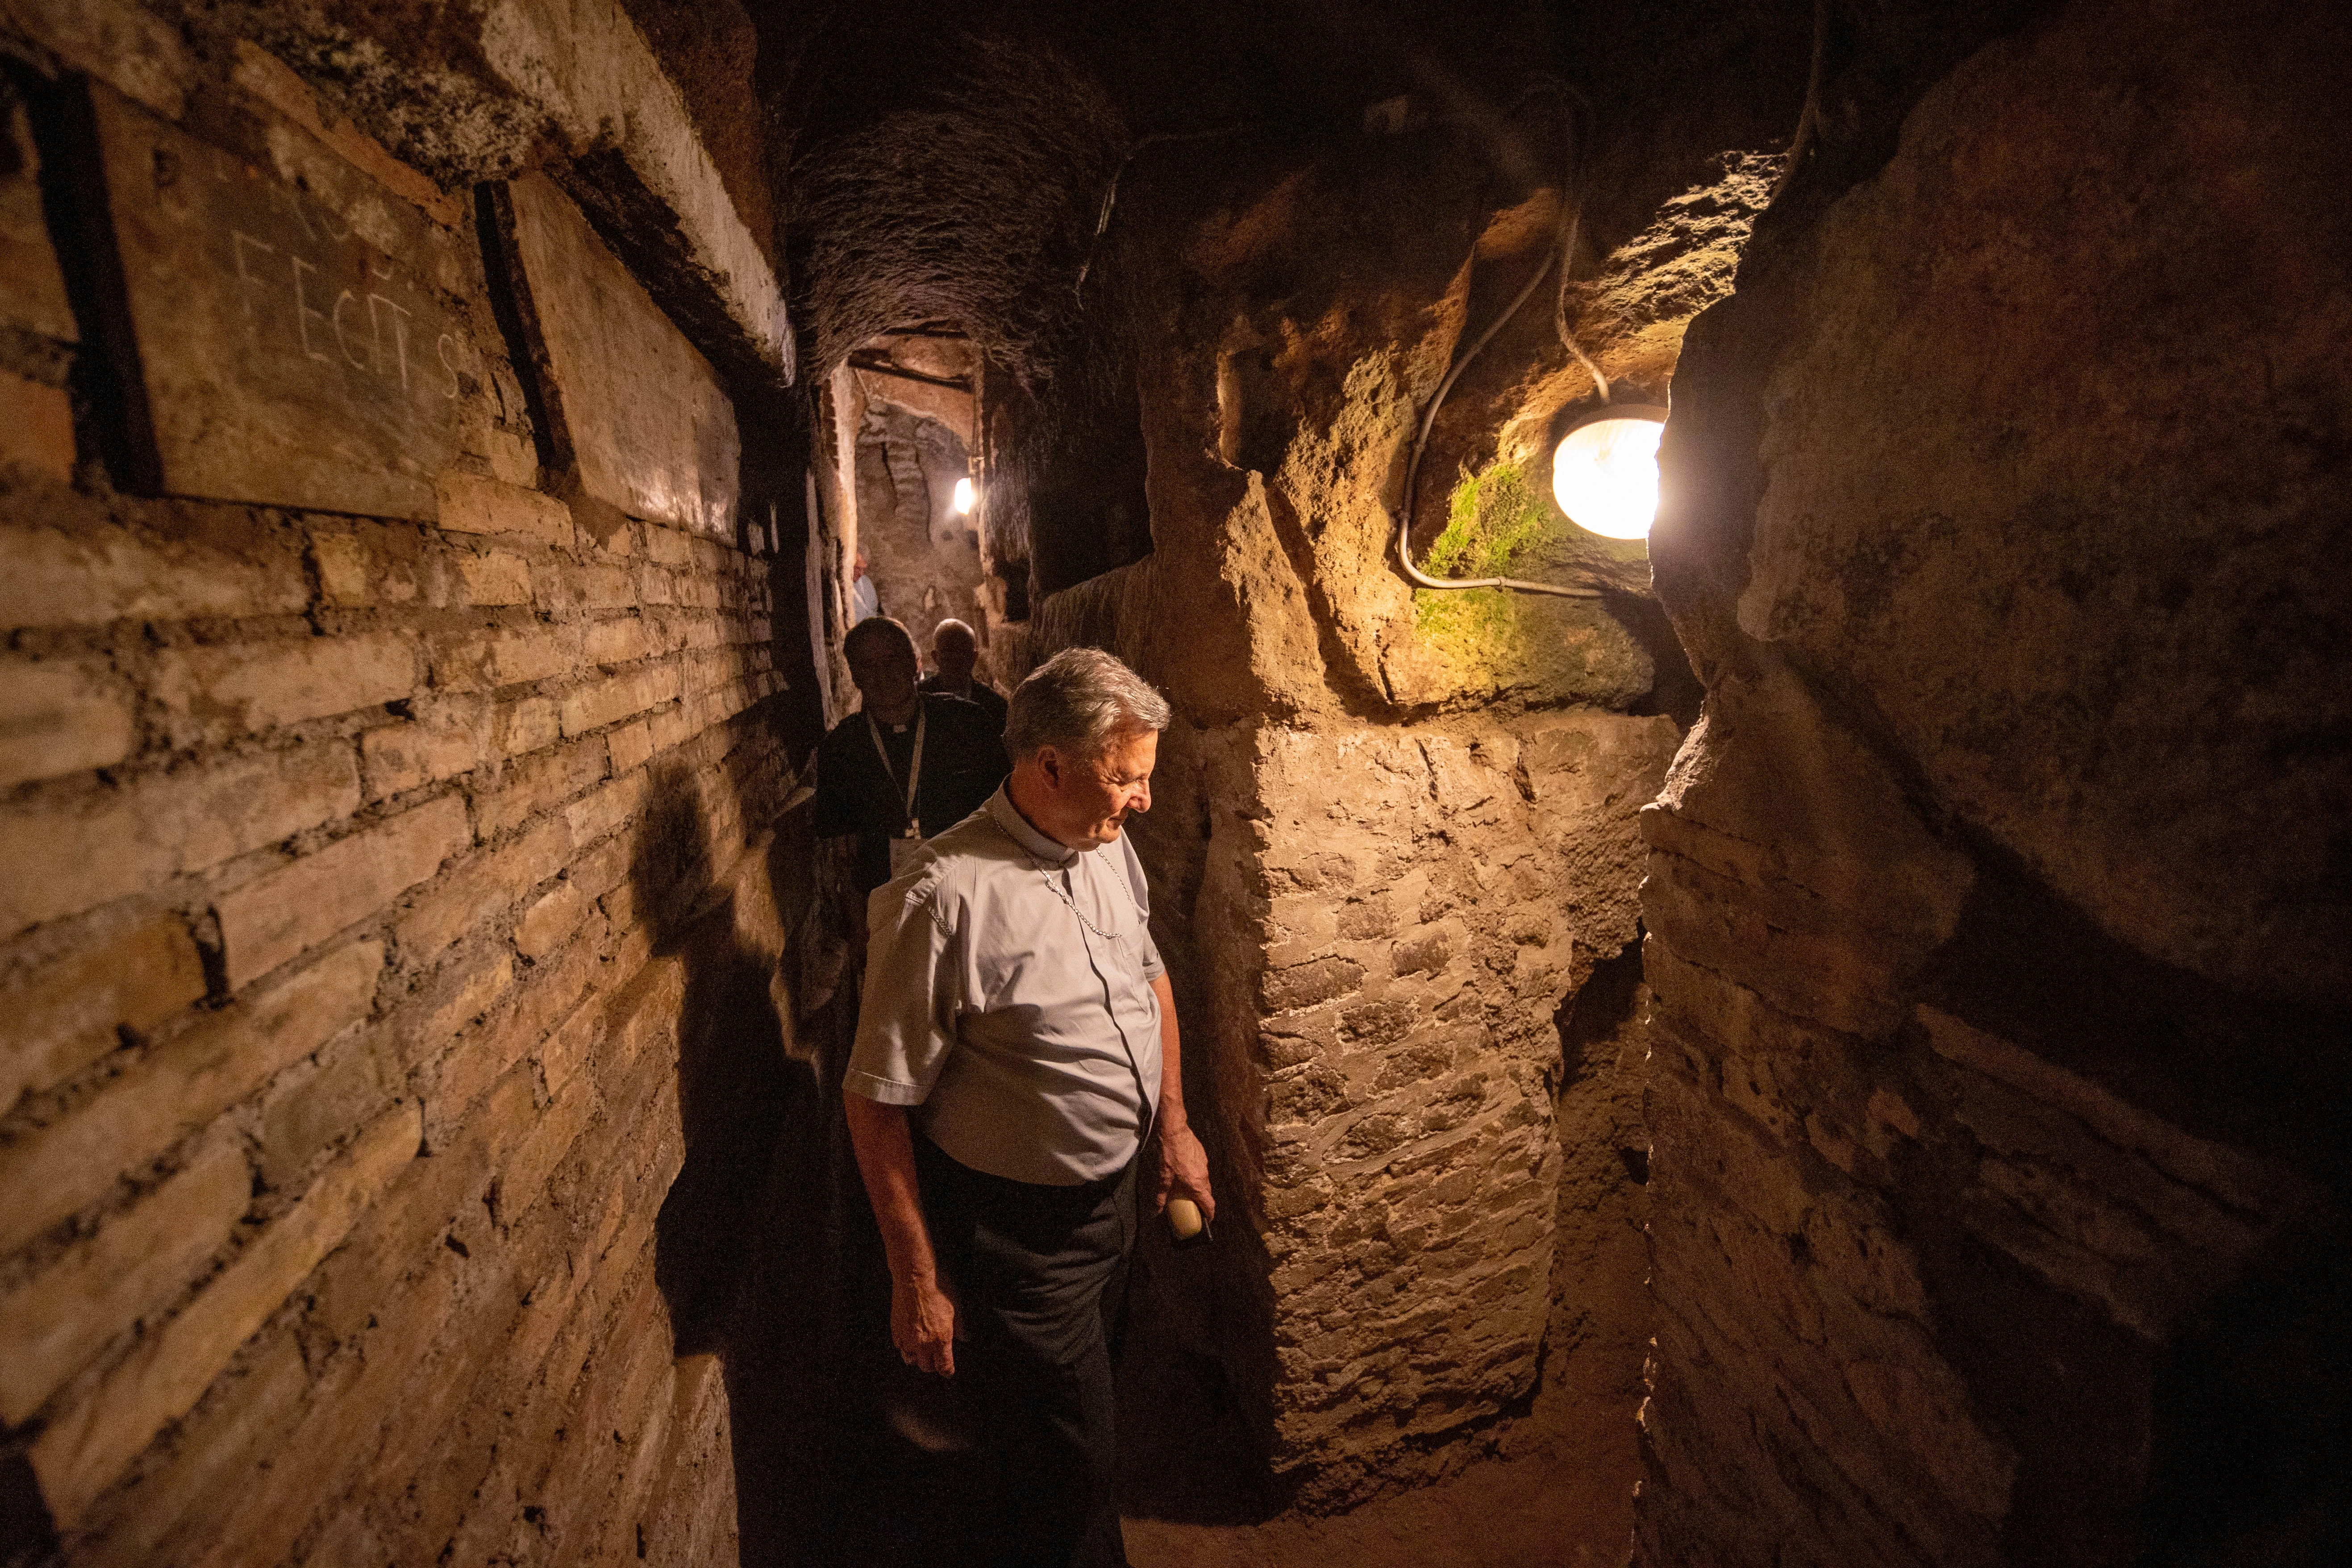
<point>1093,797</point>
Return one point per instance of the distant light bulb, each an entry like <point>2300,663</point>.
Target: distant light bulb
<point>963,497</point>
<point>1605,473</point>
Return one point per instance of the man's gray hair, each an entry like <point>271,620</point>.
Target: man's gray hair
<point>1077,702</point>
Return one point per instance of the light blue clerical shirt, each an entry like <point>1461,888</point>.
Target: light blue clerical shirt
<point>1008,1000</point>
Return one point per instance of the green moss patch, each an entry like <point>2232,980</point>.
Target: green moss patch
<point>1501,523</point>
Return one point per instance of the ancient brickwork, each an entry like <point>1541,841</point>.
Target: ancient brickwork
<point>1431,895</point>
<point>358,864</point>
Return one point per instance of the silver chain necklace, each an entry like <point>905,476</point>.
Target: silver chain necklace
<point>1056,888</point>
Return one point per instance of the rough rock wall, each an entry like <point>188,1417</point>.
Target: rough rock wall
<point>1433,897</point>
<point>1387,853</point>
<point>390,894</point>
<point>1996,907</point>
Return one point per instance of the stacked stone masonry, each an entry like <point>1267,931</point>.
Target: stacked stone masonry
<point>341,933</point>
<point>1431,898</point>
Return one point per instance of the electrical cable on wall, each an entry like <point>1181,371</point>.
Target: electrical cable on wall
<point>1562,257</point>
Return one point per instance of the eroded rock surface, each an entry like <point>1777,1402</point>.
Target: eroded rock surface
<point>1995,911</point>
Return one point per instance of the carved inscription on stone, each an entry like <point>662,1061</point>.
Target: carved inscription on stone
<point>286,360</point>
<point>652,432</point>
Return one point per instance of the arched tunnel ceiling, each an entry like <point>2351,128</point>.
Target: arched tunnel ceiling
<point>931,162</point>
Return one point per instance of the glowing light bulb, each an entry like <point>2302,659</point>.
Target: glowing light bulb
<point>963,498</point>
<point>1605,473</point>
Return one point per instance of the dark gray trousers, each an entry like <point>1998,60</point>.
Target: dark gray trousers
<point>1031,1264</point>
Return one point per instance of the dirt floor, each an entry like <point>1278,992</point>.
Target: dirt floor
<point>1530,1511</point>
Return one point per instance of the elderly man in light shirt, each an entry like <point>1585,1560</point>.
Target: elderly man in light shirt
<point>1016,1048</point>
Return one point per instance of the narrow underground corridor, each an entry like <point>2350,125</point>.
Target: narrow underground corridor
<point>1806,1026</point>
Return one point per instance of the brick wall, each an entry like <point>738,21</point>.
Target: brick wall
<point>1432,897</point>
<point>361,874</point>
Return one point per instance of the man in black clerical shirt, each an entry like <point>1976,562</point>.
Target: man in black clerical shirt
<point>954,651</point>
<point>908,765</point>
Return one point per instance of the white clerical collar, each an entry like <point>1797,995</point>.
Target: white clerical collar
<point>1052,851</point>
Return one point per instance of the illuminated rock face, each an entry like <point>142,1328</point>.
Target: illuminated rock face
<point>421,574</point>
<point>1394,833</point>
<point>1995,950</point>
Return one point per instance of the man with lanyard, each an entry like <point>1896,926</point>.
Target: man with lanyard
<point>1016,1047</point>
<point>907,764</point>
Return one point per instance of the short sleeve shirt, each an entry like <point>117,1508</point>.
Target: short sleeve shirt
<point>1008,1000</point>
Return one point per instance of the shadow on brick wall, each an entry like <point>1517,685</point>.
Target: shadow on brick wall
<point>747,1211</point>
<point>733,1086</point>
<point>765,1250</point>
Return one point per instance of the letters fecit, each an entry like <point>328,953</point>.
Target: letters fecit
<point>303,311</point>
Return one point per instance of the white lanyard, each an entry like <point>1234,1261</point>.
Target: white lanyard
<point>914,767</point>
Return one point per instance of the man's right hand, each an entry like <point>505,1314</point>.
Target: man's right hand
<point>925,1323</point>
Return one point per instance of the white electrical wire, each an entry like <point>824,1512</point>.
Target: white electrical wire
<point>1560,258</point>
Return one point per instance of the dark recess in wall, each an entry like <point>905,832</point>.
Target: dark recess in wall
<point>1084,477</point>
<point>111,415</point>
<point>510,302</point>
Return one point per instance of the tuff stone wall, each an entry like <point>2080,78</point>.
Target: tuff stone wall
<point>1996,908</point>
<point>1394,833</point>
<point>379,876</point>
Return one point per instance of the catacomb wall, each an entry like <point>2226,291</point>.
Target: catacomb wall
<point>393,743</point>
<point>1997,906</point>
<point>1393,834</point>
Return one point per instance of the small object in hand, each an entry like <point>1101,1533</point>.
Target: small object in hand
<point>929,1411</point>
<point>1185,1225</point>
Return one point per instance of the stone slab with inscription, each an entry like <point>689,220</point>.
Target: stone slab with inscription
<point>650,429</point>
<point>292,352</point>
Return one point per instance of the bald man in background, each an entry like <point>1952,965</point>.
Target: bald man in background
<point>955,649</point>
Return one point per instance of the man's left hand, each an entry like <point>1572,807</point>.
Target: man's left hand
<point>1183,1168</point>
